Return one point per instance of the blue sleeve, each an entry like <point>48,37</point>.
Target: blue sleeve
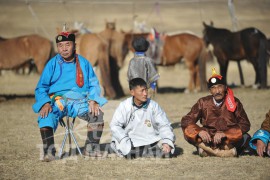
<point>94,87</point>
<point>42,88</point>
<point>262,135</point>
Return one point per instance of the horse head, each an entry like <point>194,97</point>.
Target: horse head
<point>206,33</point>
<point>110,25</point>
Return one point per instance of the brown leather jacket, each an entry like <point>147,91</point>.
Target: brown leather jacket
<point>215,119</point>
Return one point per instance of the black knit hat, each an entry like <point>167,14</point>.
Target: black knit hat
<point>65,36</point>
<point>140,44</point>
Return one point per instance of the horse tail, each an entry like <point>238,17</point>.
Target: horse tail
<point>263,60</point>
<point>204,56</point>
<point>105,70</point>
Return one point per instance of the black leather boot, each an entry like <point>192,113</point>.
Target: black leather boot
<point>48,144</point>
<point>94,132</point>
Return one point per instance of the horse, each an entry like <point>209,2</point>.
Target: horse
<point>25,68</point>
<point>108,50</point>
<point>268,47</point>
<point>96,51</point>
<point>15,52</point>
<point>116,41</point>
<point>187,47</point>
<point>249,44</point>
<point>2,39</point>
<point>117,52</point>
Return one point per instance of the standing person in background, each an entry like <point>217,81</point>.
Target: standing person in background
<point>68,86</point>
<point>141,66</point>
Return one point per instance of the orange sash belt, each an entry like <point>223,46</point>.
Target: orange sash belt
<point>57,98</point>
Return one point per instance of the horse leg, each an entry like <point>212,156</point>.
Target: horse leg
<point>201,74</point>
<point>192,74</point>
<point>240,73</point>
<point>262,63</point>
<point>257,75</point>
<point>104,66</point>
<point>197,80</point>
<point>223,68</point>
<point>115,78</point>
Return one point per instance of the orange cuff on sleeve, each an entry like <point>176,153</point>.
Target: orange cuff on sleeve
<point>191,133</point>
<point>233,135</point>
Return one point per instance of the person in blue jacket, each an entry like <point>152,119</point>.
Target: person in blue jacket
<point>261,138</point>
<point>68,86</point>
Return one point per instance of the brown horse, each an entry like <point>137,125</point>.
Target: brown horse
<point>249,44</point>
<point>116,41</point>
<point>118,49</point>
<point>96,50</point>
<point>112,48</point>
<point>189,48</point>
<point>16,52</point>
<point>104,50</point>
<point>2,39</point>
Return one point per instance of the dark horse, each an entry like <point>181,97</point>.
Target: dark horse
<point>249,44</point>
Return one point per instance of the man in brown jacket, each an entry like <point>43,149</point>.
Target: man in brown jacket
<point>224,122</point>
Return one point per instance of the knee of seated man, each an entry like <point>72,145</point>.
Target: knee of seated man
<point>95,126</point>
<point>92,119</point>
<point>50,121</point>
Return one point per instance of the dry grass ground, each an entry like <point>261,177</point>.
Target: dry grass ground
<point>20,139</point>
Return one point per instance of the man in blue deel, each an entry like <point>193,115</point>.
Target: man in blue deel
<point>68,86</point>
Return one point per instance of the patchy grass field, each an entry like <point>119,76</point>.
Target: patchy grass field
<point>21,142</point>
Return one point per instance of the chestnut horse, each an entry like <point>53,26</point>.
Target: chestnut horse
<point>117,44</point>
<point>96,51</point>
<point>189,48</point>
<point>107,50</point>
<point>249,44</point>
<point>118,49</point>
<point>15,52</point>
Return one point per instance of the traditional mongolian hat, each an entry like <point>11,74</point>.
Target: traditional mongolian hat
<point>215,79</point>
<point>140,44</point>
<point>65,36</point>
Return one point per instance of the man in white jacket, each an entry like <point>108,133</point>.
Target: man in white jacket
<point>140,127</point>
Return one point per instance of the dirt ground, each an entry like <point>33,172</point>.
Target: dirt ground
<point>20,143</point>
